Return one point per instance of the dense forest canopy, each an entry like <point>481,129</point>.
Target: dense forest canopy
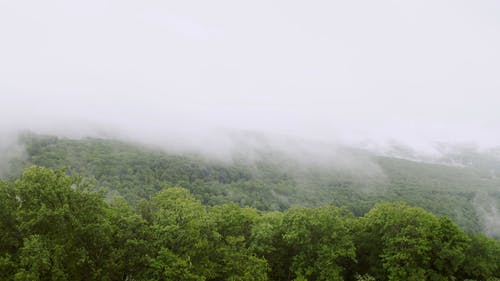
<point>95,209</point>
<point>249,140</point>
<point>57,227</point>
<point>273,179</point>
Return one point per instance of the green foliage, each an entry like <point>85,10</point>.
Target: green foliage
<point>408,243</point>
<point>36,263</point>
<point>167,265</point>
<point>233,227</point>
<point>187,218</point>
<point>482,258</point>
<point>181,232</point>
<point>63,225</point>
<point>318,242</point>
<point>129,242</point>
<point>272,180</point>
<point>8,206</point>
<point>365,277</point>
<point>267,241</point>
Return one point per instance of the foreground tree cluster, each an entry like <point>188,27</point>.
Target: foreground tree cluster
<point>56,227</point>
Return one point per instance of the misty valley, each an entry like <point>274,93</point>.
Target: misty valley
<point>103,209</point>
<point>249,140</point>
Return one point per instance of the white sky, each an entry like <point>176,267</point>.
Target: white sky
<point>408,70</point>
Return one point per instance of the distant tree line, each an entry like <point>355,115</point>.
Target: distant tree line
<point>56,226</point>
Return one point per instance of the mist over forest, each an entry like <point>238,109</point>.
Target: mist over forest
<point>265,140</point>
<point>254,214</point>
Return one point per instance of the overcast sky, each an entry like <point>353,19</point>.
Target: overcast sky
<point>408,70</point>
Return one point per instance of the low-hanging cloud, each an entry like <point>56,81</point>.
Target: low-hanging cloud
<point>488,212</point>
<point>331,71</point>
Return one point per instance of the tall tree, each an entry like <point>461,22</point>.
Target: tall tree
<point>400,242</point>
<point>318,242</point>
<point>181,231</point>
<point>130,242</point>
<point>231,244</point>
<point>63,224</point>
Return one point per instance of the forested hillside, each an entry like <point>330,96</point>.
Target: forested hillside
<point>249,140</point>
<point>272,180</point>
<point>57,227</point>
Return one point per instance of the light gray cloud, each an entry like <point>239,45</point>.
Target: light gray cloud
<point>488,212</point>
<point>407,70</point>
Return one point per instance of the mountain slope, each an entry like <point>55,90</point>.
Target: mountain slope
<point>273,179</point>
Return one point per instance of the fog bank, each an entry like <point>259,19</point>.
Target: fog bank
<point>415,71</point>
